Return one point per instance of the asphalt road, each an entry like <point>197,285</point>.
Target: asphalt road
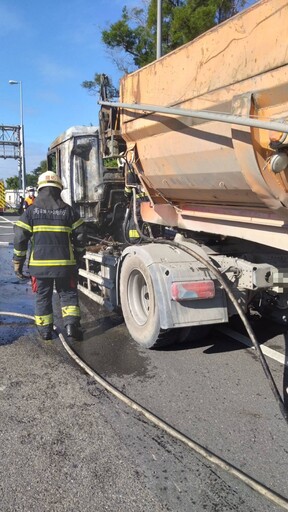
<point>68,445</point>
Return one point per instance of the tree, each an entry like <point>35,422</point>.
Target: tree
<point>132,39</point>
<point>131,35</point>
<point>182,20</point>
<point>12,183</point>
<point>33,177</point>
<point>197,16</point>
<point>96,86</point>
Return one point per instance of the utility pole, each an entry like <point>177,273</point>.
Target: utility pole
<point>159,29</point>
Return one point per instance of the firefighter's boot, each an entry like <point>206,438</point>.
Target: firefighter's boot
<point>74,332</point>
<point>45,332</point>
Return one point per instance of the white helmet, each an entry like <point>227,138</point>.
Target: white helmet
<point>49,179</point>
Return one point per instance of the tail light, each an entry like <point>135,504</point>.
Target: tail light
<point>195,290</point>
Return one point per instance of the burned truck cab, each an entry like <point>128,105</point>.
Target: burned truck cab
<point>91,187</point>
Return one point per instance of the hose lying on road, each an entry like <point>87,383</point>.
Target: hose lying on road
<point>204,452</point>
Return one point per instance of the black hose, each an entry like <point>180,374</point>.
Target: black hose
<point>234,301</point>
<point>125,223</point>
<point>114,213</point>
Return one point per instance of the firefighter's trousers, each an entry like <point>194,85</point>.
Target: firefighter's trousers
<point>66,288</point>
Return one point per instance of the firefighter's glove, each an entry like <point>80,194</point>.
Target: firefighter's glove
<point>18,268</point>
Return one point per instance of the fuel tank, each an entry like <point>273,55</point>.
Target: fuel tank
<point>239,67</point>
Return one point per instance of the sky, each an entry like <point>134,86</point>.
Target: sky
<point>51,47</point>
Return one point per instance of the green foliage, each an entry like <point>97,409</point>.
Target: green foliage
<point>32,178</point>
<point>95,86</point>
<point>226,9</point>
<point>134,35</point>
<point>191,20</point>
<point>110,163</point>
<point>42,167</point>
<point>12,183</point>
<point>168,11</point>
<point>132,40</point>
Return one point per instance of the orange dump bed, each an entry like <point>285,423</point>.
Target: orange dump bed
<point>239,67</point>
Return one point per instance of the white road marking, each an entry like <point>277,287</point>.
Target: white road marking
<point>3,219</point>
<point>273,354</point>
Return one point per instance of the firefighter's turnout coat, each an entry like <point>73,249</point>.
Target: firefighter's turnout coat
<point>57,240</point>
<point>57,236</point>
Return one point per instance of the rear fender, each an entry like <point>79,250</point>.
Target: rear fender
<point>168,264</point>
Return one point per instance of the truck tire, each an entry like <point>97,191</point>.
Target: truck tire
<point>140,306</point>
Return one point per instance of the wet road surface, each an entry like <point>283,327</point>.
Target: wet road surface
<point>214,391</point>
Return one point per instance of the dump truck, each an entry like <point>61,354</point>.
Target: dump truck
<point>199,145</point>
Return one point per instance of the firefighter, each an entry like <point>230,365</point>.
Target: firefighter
<point>58,242</point>
<point>29,200</point>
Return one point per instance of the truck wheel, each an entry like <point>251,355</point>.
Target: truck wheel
<point>140,306</point>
